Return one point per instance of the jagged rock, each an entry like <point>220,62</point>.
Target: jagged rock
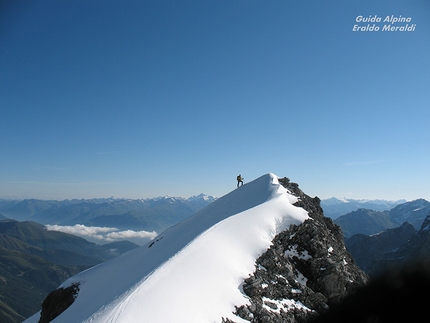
<point>57,302</point>
<point>305,271</point>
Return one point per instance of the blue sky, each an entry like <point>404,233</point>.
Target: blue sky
<point>146,98</point>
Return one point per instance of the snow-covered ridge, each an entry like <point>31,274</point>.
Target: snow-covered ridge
<point>193,271</point>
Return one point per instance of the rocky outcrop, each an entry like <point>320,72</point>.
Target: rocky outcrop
<point>57,302</point>
<point>305,271</point>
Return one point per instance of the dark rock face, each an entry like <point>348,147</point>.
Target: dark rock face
<point>399,295</point>
<point>57,302</point>
<point>304,272</point>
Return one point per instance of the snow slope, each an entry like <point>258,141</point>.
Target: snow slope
<point>193,271</point>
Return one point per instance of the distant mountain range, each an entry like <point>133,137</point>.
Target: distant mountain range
<point>154,214</point>
<point>364,221</point>
<point>370,222</point>
<point>382,240</point>
<point>392,248</point>
<point>34,261</point>
<point>335,207</point>
<point>146,214</point>
<point>366,249</point>
<point>413,212</point>
<point>157,214</point>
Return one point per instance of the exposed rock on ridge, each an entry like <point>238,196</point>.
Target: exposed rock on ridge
<point>57,302</point>
<point>306,270</point>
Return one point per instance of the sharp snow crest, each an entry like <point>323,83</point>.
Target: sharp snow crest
<point>193,271</point>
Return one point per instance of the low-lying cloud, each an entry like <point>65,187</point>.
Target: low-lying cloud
<point>103,235</point>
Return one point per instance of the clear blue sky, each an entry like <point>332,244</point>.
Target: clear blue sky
<point>146,98</point>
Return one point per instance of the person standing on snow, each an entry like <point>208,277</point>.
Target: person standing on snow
<point>239,180</point>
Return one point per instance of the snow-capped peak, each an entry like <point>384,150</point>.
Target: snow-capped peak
<point>193,271</point>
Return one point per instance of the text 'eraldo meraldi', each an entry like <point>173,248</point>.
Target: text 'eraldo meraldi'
<point>388,24</point>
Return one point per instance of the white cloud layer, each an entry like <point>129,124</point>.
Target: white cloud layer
<point>103,235</point>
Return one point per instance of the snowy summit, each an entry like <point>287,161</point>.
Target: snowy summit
<point>193,271</point>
